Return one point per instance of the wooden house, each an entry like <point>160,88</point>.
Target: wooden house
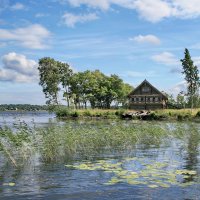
<point>147,97</point>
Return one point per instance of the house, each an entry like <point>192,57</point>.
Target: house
<point>147,97</point>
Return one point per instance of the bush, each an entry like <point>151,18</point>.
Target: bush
<point>87,113</point>
<point>198,114</point>
<point>75,114</point>
<point>120,112</point>
<point>62,112</point>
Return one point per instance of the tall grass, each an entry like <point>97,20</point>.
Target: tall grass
<point>62,112</point>
<point>164,114</point>
<point>74,140</point>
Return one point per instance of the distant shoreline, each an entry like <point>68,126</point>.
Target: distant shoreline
<point>157,115</point>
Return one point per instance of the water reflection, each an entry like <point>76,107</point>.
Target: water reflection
<point>192,152</point>
<point>37,179</point>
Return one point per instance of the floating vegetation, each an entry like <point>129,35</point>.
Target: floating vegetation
<point>150,173</point>
<point>9,184</point>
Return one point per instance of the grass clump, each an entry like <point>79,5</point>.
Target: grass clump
<point>84,140</point>
<point>89,140</point>
<point>64,112</point>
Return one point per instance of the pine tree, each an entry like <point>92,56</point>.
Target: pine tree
<point>191,73</point>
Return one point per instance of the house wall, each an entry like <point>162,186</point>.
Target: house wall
<point>146,99</point>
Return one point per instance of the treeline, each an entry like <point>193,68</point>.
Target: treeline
<point>22,107</point>
<point>81,89</point>
<point>183,101</point>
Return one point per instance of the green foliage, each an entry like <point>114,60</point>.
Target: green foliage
<point>81,88</point>
<point>22,107</point>
<point>74,140</point>
<point>120,112</point>
<point>62,112</point>
<point>49,79</point>
<point>191,73</point>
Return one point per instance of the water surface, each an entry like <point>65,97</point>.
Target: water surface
<point>160,168</point>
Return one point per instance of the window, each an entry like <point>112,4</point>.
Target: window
<point>145,89</point>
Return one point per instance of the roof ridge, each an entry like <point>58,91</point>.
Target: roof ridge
<point>150,85</point>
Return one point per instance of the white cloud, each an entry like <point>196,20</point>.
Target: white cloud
<point>17,68</point>
<point>185,8</point>
<point>17,6</point>
<point>150,10</point>
<point>151,39</point>
<point>166,58</point>
<point>71,19</point>
<point>137,74</point>
<point>19,63</point>
<point>179,87</point>
<point>102,4</point>
<point>178,67</point>
<point>34,36</point>
<point>38,15</point>
<point>196,61</point>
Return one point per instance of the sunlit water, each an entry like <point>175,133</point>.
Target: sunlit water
<point>40,118</point>
<point>170,170</point>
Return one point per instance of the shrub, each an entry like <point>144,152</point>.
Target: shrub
<point>87,113</point>
<point>198,114</point>
<point>62,112</point>
<point>75,114</point>
<point>120,112</point>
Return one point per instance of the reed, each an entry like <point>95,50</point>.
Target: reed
<point>84,140</point>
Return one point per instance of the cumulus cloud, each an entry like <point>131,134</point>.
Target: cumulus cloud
<point>17,68</point>
<point>71,19</point>
<point>102,4</point>
<point>137,74</point>
<point>17,6</point>
<point>34,36</point>
<point>152,11</point>
<point>38,15</point>
<point>179,87</point>
<point>151,39</point>
<point>166,58</point>
<point>196,61</point>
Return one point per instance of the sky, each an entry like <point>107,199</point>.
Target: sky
<point>134,39</point>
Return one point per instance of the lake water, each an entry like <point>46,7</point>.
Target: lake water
<point>41,118</point>
<point>165,169</point>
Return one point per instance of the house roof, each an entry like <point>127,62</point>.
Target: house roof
<point>147,82</point>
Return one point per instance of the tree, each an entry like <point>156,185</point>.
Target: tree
<point>181,99</point>
<point>191,76</point>
<point>49,79</point>
<point>126,90</point>
<point>65,73</point>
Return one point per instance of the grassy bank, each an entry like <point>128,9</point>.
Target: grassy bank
<point>62,112</point>
<point>164,114</point>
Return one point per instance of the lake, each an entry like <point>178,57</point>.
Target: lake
<point>112,160</point>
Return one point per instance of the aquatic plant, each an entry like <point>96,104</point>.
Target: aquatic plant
<point>86,139</point>
<point>151,173</point>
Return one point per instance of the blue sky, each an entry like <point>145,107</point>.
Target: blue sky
<point>135,39</point>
